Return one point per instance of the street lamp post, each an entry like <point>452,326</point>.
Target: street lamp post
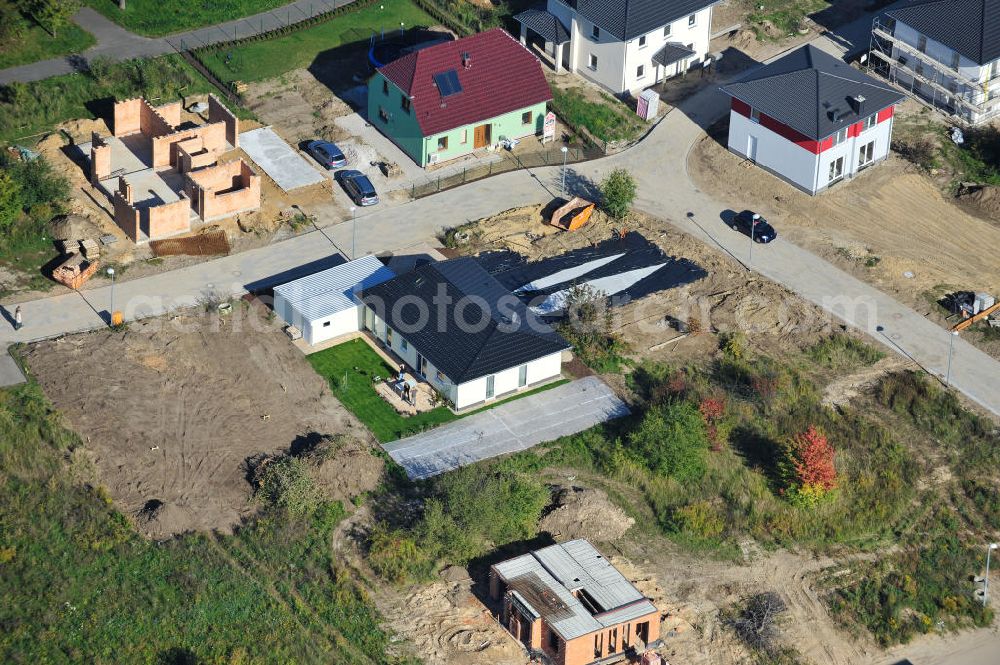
<point>986,580</point>
<point>951,350</point>
<point>381,15</point>
<point>354,234</point>
<point>401,24</point>
<point>111,274</point>
<point>565,152</point>
<point>753,228</point>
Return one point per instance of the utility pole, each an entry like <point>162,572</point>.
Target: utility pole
<point>111,314</point>
<point>565,152</point>
<point>354,234</point>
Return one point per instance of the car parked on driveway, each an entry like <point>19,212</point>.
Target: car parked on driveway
<point>327,154</point>
<point>358,187</point>
<point>750,223</point>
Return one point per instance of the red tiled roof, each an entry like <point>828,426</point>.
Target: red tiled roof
<point>503,77</point>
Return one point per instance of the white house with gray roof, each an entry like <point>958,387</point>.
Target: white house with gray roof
<point>622,45</point>
<point>811,119</point>
<point>944,52</point>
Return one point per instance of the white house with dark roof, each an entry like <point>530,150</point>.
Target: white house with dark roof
<point>944,52</point>
<point>463,332</point>
<point>811,119</point>
<point>622,45</point>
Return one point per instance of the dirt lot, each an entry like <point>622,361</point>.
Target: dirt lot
<point>170,409</point>
<point>891,226</point>
<point>728,299</point>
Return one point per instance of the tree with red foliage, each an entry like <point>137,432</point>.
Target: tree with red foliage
<point>813,473</point>
<point>711,410</point>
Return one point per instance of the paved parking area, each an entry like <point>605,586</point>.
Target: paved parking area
<point>279,160</point>
<point>508,428</point>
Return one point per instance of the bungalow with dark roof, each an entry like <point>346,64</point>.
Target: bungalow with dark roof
<point>463,332</point>
<point>811,119</point>
<point>448,100</point>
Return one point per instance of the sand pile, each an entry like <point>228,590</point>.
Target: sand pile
<point>584,512</point>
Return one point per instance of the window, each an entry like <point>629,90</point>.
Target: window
<point>526,118</point>
<point>922,44</point>
<point>403,344</point>
<point>522,376</point>
<point>920,67</point>
<point>836,170</point>
<point>666,30</point>
<point>953,85</point>
<point>593,62</point>
<point>553,641</point>
<point>866,155</point>
<point>840,136</point>
<point>613,640</point>
<point>382,115</point>
<point>642,41</point>
<point>326,324</point>
<point>754,115</point>
<point>404,103</point>
<point>692,20</point>
<point>385,87</point>
<point>490,386</point>
<point>871,121</point>
<point>595,32</point>
<point>388,336</point>
<point>956,59</point>
<point>465,136</point>
<point>598,645</point>
<point>439,377</point>
<point>442,143</point>
<point>994,69</point>
<point>640,71</point>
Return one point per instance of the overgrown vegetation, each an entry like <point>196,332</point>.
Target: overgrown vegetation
<point>31,194</point>
<point>922,139</point>
<point>268,58</point>
<point>24,39</point>
<point>843,352</point>
<point>607,119</point>
<point>73,572</point>
<point>587,326</point>
<point>781,18</point>
<point>29,108</point>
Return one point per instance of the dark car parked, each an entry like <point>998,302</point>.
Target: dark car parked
<point>327,154</point>
<point>750,223</point>
<point>358,187</point>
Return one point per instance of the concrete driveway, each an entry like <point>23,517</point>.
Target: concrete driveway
<point>508,428</point>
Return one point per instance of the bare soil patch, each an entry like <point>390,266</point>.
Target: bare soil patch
<point>584,512</point>
<point>890,226</point>
<point>171,409</point>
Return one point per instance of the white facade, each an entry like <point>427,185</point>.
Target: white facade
<point>621,66</point>
<point>469,393</point>
<point>809,171</point>
<point>928,68</point>
<point>323,305</point>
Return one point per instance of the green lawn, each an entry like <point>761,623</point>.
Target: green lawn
<point>350,367</point>
<point>154,18</point>
<point>30,108</point>
<point>79,585</point>
<point>608,119</point>
<point>37,44</point>
<point>272,57</point>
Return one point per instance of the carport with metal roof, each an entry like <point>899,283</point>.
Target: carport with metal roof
<point>547,26</point>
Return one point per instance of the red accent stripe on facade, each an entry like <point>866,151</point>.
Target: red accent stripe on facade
<point>885,113</point>
<point>790,134</point>
<point>740,107</point>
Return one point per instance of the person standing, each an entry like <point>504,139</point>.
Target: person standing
<point>17,318</point>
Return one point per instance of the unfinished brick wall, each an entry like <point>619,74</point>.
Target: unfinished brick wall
<point>127,117</point>
<point>138,115</point>
<point>191,155</point>
<point>126,214</point>
<point>213,139</point>
<point>224,190</point>
<point>169,219</point>
<point>219,113</point>
<point>100,159</point>
<point>171,113</point>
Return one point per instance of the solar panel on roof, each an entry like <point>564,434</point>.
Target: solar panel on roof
<point>447,83</point>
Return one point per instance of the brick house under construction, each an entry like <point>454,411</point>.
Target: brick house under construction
<point>567,604</point>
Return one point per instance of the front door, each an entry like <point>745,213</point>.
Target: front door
<point>752,148</point>
<point>422,366</point>
<point>481,136</point>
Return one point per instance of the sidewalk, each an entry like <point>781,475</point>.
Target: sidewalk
<point>116,43</point>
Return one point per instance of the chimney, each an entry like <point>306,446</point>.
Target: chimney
<point>466,60</point>
<point>858,104</point>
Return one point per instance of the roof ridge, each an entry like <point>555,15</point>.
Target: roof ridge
<point>873,84</point>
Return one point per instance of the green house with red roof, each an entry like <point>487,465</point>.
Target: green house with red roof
<point>451,99</point>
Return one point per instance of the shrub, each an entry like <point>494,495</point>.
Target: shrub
<point>395,556</point>
<point>618,192</point>
<point>587,327</point>
<point>843,351</point>
<point>671,440</point>
<point>700,519</point>
<point>808,468</point>
<point>756,622</point>
<point>285,483</point>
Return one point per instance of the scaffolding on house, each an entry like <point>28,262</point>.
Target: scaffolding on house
<point>941,86</point>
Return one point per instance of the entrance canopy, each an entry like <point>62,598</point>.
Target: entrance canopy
<point>672,52</point>
<point>544,24</point>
